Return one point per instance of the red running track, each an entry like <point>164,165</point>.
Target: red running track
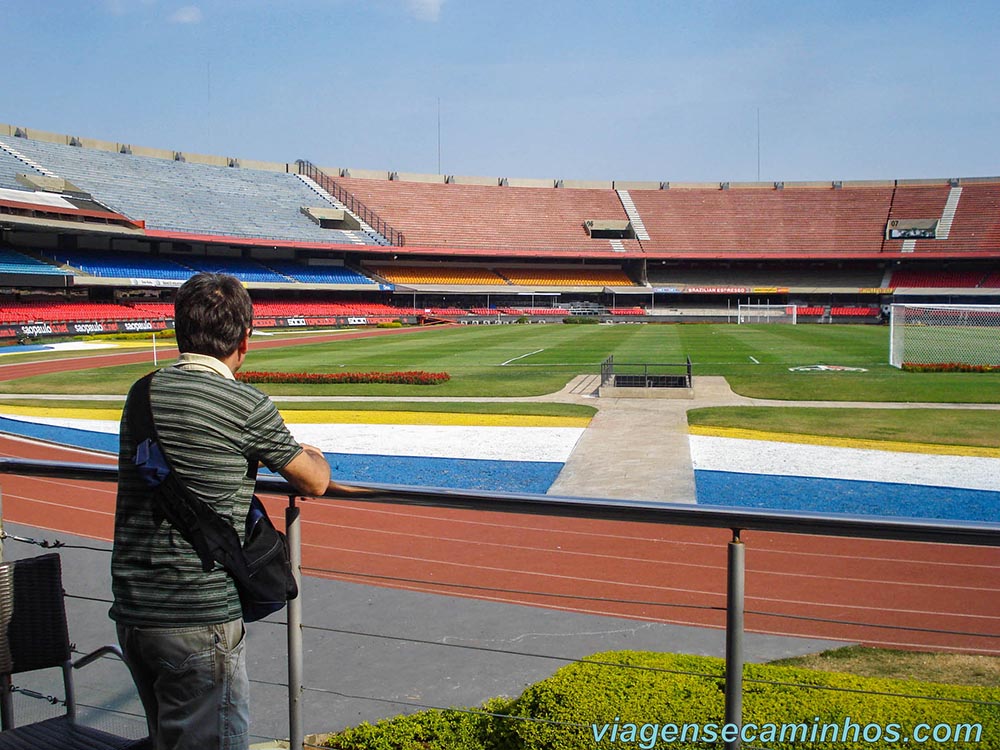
<point>897,594</point>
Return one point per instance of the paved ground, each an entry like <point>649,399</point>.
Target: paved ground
<point>421,663</point>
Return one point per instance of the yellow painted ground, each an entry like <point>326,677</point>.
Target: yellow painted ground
<point>839,442</point>
<point>319,416</point>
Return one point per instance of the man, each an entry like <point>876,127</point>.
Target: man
<point>180,628</point>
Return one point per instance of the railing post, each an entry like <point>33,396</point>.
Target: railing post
<point>296,734</point>
<point>734,636</point>
<point>6,699</point>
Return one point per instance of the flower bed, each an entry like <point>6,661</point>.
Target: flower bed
<point>948,367</point>
<point>413,377</point>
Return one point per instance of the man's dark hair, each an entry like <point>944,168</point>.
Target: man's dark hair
<point>212,314</point>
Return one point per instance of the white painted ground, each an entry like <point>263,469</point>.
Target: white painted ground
<point>431,441</point>
<point>710,453</point>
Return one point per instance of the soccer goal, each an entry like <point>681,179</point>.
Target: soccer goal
<point>761,313</point>
<point>937,334</point>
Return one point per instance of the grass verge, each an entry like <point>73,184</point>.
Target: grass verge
<point>966,427</point>
<point>864,661</point>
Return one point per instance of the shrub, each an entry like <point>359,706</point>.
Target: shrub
<point>581,320</point>
<point>677,689</point>
<point>413,377</point>
<point>390,324</point>
<point>948,367</point>
<point>427,730</point>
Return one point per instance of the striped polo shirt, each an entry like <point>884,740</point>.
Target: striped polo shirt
<point>210,426</point>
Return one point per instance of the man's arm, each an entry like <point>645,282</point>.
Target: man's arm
<point>308,472</point>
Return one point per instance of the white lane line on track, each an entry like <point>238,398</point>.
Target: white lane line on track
<point>529,354</point>
<point>445,519</point>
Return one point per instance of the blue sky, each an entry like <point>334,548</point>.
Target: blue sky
<point>639,90</point>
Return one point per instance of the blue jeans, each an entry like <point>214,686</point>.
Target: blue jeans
<point>192,683</point>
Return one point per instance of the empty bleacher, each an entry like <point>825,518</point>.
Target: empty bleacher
<point>323,309</point>
<point>244,269</point>
<point>572,277</point>
<point>307,274</point>
<point>122,265</point>
<point>10,167</point>
<point>14,262</point>
<point>180,197</point>
<point>702,221</point>
<point>783,275</point>
<point>439,275</point>
<point>992,281</point>
<point>975,227</point>
<point>854,312</point>
<point>439,215</point>
<point>63,311</point>
<point>931,279</point>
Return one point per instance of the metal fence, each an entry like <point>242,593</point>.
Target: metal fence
<point>735,520</point>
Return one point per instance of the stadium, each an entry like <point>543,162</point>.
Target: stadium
<point>542,300</point>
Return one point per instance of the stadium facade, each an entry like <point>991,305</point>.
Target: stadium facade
<point>96,235</point>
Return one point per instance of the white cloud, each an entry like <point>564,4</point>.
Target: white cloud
<point>187,14</point>
<point>425,10</point>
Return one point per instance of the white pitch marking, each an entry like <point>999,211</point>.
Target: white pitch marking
<point>521,357</point>
<point>754,360</point>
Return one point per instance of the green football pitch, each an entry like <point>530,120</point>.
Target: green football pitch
<point>529,360</point>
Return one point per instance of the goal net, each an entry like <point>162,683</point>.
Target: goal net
<point>751,313</point>
<point>938,334</point>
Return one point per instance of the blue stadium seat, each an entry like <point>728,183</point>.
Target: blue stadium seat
<point>12,261</point>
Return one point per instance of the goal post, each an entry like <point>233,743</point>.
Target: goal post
<point>939,334</point>
<point>765,313</point>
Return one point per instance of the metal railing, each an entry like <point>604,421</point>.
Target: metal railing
<point>641,375</point>
<point>737,520</point>
<point>354,204</point>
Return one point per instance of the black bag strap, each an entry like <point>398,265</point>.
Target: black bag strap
<point>213,538</point>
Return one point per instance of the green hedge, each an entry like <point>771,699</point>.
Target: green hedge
<point>577,320</point>
<point>583,694</point>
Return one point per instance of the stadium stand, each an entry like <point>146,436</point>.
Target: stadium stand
<point>992,281</point>
<point>242,268</point>
<point>930,279</point>
<point>855,312</point>
<point>479,244</point>
<point>10,167</point>
<point>445,275</point>
<point>156,310</point>
<point>968,215</point>
<point>509,218</point>
<point>789,274</point>
<point>548,277</point>
<point>52,312</point>
<point>122,265</point>
<point>793,221</point>
<point>626,311</point>
<point>319,308</point>
<point>190,198</point>
<point>14,262</point>
<point>318,274</point>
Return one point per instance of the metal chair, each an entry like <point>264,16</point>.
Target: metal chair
<point>34,635</point>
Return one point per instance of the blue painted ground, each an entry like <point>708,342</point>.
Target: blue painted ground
<point>452,473</point>
<point>845,496</point>
<point>713,487</point>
